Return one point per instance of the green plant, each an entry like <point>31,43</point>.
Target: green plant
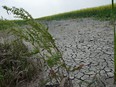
<point>42,44</point>
<point>113,23</point>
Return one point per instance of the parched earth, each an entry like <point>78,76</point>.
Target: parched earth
<point>85,41</point>
<point>90,42</point>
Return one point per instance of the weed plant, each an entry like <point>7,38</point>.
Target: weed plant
<point>113,18</point>
<point>43,45</point>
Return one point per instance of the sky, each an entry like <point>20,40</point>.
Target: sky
<point>41,8</point>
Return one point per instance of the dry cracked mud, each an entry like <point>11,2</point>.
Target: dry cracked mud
<point>85,41</point>
<point>90,42</point>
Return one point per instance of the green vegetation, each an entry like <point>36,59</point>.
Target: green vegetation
<point>113,23</point>
<point>102,12</point>
<point>15,66</point>
<point>5,24</point>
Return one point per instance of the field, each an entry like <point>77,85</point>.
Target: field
<point>102,12</point>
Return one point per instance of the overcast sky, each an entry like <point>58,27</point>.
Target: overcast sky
<point>40,8</point>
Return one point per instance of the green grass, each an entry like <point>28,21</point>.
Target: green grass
<point>6,24</point>
<point>102,12</point>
